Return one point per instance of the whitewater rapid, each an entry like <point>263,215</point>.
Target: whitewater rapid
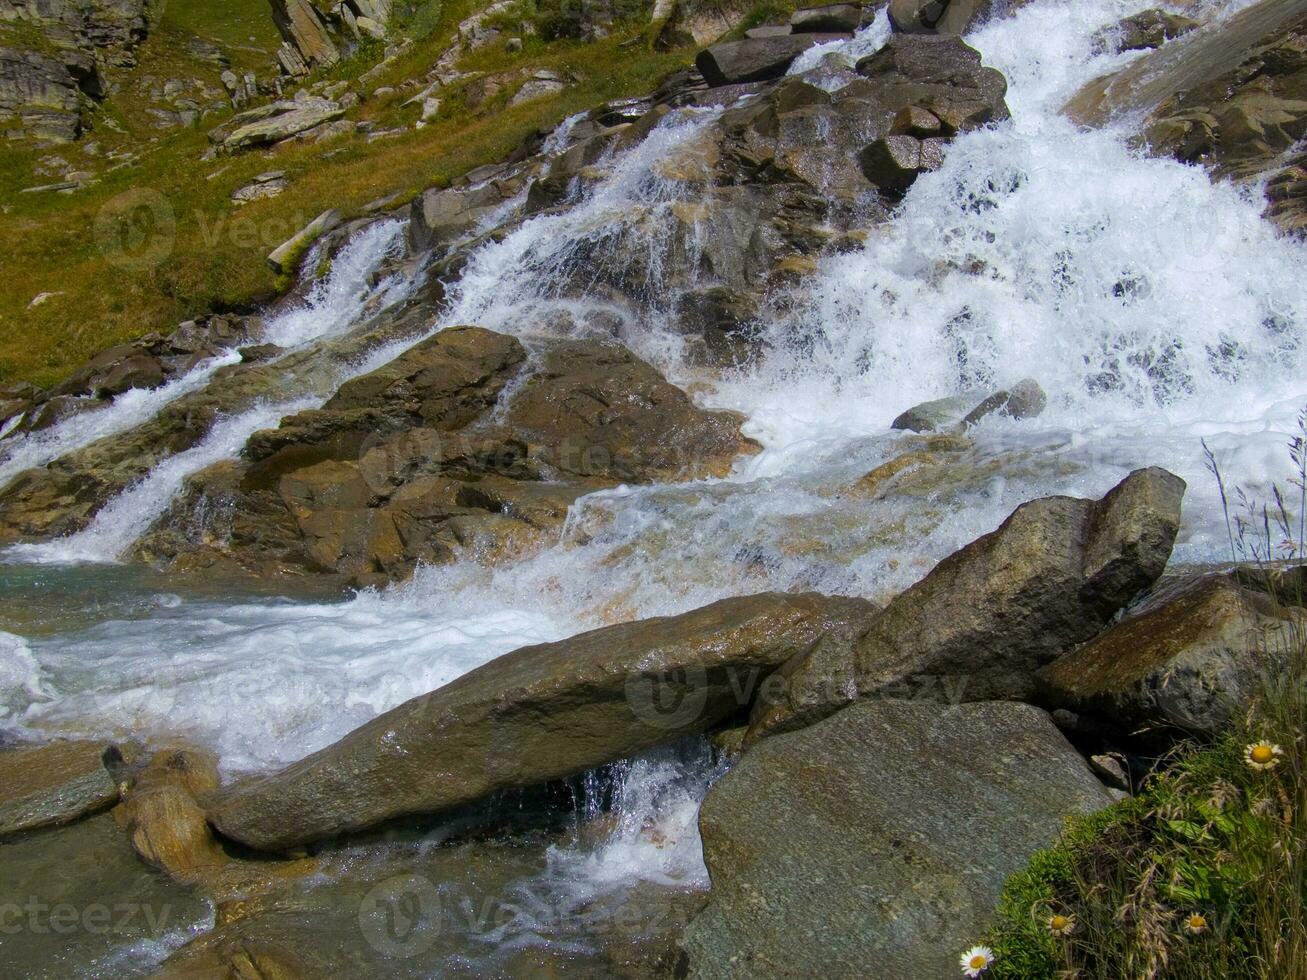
<point>1157,310</point>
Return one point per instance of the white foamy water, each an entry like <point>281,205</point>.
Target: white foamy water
<point>20,675</point>
<point>126,411</point>
<point>335,302</point>
<point>518,284</point>
<point>332,305</point>
<point>264,682</point>
<point>1156,308</point>
<point>129,515</point>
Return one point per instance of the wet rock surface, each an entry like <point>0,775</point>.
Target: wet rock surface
<point>55,784</point>
<point>945,16</point>
<point>468,442</point>
<point>986,617</point>
<point>889,827</point>
<point>1186,661</point>
<point>65,495</point>
<point>756,59</point>
<point>1149,29</point>
<point>161,815</point>
<point>1231,96</point>
<point>541,713</point>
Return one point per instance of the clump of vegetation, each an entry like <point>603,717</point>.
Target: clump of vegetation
<point>1203,873</point>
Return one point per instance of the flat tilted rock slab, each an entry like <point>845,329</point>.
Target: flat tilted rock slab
<point>875,843</point>
<point>540,713</point>
<point>1189,659</point>
<point>53,784</point>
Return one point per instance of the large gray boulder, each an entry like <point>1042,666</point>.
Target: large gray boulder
<point>1187,661</point>
<point>756,59</point>
<point>273,123</point>
<point>988,616</point>
<point>876,842</point>
<point>942,75</point>
<point>538,714</point>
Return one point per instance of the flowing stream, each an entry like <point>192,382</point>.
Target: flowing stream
<point>1156,308</point>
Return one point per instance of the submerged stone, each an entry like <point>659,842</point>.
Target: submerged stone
<point>54,784</point>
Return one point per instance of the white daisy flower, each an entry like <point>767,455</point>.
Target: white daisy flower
<point>1061,925</point>
<point>1194,923</point>
<point>976,960</point>
<point>1263,755</point>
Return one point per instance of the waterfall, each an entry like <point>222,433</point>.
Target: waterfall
<point>514,285</point>
<point>1156,308</point>
<point>130,514</point>
<point>336,301</point>
<point>126,411</point>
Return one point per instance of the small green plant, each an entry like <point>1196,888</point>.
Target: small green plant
<point>1203,874</point>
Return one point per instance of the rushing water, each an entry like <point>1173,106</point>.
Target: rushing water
<point>1156,308</point>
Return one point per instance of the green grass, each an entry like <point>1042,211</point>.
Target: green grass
<point>230,23</point>
<point>57,242</point>
<point>1208,834</point>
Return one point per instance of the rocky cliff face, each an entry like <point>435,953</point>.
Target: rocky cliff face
<point>317,34</point>
<point>54,54</point>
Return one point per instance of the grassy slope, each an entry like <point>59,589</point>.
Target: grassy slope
<point>65,242</point>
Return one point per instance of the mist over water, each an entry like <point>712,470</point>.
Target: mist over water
<point>1156,308</point>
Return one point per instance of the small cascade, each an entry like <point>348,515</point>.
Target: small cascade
<point>333,303</point>
<point>339,299</point>
<point>538,276</point>
<point>130,514</point>
<point>126,411</point>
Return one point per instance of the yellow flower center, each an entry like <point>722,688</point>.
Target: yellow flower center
<point>1059,922</point>
<point>1197,922</point>
<point>1262,754</point>
<point>977,962</point>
